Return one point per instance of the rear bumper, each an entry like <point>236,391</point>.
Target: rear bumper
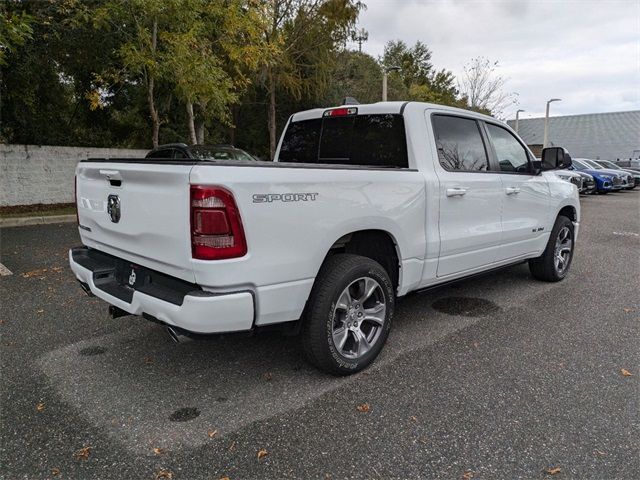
<point>169,300</point>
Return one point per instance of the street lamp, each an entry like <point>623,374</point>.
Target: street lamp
<point>517,118</point>
<point>384,80</point>
<point>546,123</point>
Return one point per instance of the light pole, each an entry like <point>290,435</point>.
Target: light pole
<point>546,123</point>
<point>517,118</point>
<point>385,74</point>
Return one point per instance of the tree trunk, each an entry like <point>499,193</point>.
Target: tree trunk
<point>272,114</point>
<point>191,124</point>
<point>231,130</point>
<point>153,111</point>
<point>200,131</point>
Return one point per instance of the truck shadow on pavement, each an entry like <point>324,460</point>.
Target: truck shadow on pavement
<point>146,391</point>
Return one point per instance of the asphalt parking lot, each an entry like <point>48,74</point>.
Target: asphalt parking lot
<point>495,377</point>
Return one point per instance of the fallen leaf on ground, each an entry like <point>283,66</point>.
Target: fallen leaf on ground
<point>225,478</point>
<point>164,474</point>
<point>468,475</point>
<point>364,408</point>
<point>40,311</point>
<point>83,453</point>
<point>627,310</point>
<point>414,418</point>
<point>268,376</point>
<point>147,360</point>
<point>601,453</point>
<point>262,453</point>
<point>212,433</point>
<point>158,451</point>
<point>34,273</point>
<point>232,446</point>
<point>40,406</point>
<point>55,471</point>
<point>625,372</point>
<point>553,471</point>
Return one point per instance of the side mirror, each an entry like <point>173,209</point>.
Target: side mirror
<point>554,158</point>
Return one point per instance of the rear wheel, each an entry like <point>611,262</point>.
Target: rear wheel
<point>553,265</point>
<point>348,316</point>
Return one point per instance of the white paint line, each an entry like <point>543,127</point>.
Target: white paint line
<point>4,271</point>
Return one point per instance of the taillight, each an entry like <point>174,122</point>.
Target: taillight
<point>216,227</point>
<point>75,197</point>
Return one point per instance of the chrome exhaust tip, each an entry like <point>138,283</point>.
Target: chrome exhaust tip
<point>175,336</point>
<point>85,288</point>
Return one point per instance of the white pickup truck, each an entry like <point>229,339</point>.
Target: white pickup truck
<point>363,204</point>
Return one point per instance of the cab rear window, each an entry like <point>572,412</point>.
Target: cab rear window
<point>363,140</point>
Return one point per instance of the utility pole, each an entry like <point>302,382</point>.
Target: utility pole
<point>385,74</point>
<point>545,142</point>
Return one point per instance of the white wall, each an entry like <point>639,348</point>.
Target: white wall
<point>31,174</point>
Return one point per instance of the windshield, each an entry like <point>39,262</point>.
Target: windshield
<point>592,164</point>
<point>607,164</point>
<point>579,165</point>
<point>221,153</point>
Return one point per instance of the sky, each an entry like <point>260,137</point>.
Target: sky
<point>585,52</point>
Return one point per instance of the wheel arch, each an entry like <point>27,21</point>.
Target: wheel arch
<point>378,244</point>
<point>570,212</point>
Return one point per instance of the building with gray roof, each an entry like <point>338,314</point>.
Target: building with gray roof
<point>605,136</point>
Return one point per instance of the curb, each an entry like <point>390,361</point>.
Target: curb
<point>41,220</point>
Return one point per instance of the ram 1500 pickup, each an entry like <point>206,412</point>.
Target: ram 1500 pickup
<point>363,204</point>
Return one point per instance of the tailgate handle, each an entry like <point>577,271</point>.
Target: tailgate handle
<point>113,176</point>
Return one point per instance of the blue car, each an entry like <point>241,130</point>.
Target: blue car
<point>604,181</point>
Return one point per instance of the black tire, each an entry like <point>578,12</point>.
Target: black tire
<point>545,266</point>
<point>323,313</point>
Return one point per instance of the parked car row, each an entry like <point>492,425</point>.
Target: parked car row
<point>599,176</point>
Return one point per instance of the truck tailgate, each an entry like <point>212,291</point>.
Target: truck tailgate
<point>138,212</point>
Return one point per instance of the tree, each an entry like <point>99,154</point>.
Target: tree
<point>301,39</point>
<point>482,87</point>
<point>15,30</point>
<point>421,81</point>
<point>210,57</point>
<point>355,75</point>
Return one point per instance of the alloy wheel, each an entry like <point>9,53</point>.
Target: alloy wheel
<point>358,317</point>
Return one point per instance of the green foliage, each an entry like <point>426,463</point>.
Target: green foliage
<point>421,81</point>
<point>15,29</point>
<point>90,73</point>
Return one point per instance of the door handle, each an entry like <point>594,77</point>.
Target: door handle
<point>512,190</point>
<point>456,191</point>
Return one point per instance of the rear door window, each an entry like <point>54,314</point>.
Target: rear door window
<point>460,145</point>
<point>364,140</point>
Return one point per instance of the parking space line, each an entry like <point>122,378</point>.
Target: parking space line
<point>4,271</point>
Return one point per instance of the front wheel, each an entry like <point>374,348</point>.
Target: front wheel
<point>348,316</point>
<point>553,265</point>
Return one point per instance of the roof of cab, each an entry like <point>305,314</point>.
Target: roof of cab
<point>387,107</point>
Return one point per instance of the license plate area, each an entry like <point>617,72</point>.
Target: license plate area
<point>121,278</point>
